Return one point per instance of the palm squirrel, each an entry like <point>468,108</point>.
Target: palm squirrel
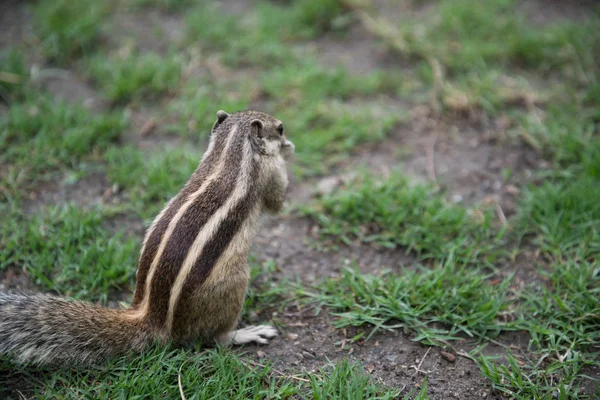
<point>193,270</point>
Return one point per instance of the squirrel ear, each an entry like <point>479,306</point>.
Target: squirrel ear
<point>257,127</point>
<point>222,116</point>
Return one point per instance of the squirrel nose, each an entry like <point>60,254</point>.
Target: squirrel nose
<point>289,146</point>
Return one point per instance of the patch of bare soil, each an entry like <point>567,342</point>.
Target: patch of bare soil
<point>551,11</point>
<point>236,6</point>
<point>15,22</point>
<point>473,162</point>
<point>291,242</point>
<point>308,342</point>
<point>150,30</point>
<point>88,191</point>
<point>73,89</point>
<point>147,130</point>
<point>356,51</point>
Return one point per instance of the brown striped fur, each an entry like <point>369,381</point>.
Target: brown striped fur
<point>192,273</point>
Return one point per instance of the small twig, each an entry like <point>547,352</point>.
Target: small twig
<point>500,213</point>
<point>402,390</point>
<point>148,126</point>
<point>418,367</point>
<point>456,365</point>
<point>499,344</point>
<point>9,77</point>
<point>179,382</point>
<point>423,359</point>
<point>438,85</point>
<point>465,355</point>
<point>38,75</point>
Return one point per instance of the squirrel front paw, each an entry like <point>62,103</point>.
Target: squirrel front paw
<point>259,334</point>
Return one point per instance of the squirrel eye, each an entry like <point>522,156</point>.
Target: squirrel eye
<point>280,129</point>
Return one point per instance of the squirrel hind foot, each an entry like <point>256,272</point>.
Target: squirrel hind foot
<point>259,334</point>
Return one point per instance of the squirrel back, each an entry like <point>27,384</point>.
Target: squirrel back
<point>192,273</point>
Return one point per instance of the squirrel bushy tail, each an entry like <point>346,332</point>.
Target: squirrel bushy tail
<point>45,329</point>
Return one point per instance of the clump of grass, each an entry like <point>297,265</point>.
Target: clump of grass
<point>309,81</point>
<point>347,380</point>
<point>460,298</point>
<point>150,181</point>
<point>563,217</point>
<point>66,250</point>
<point>309,99</point>
<point>41,134</point>
<point>324,138</point>
<point>396,212</point>
<point>265,290</point>
<point>198,101</point>
<point>564,315</point>
<point>218,373</point>
<point>166,5</point>
<point>234,39</point>
<point>568,134</point>
<point>300,92</point>
<point>302,19</point>
<point>451,301</point>
<point>562,320</point>
<point>13,75</point>
<point>69,29</point>
<point>135,77</point>
<point>469,36</point>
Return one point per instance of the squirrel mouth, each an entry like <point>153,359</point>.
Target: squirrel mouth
<point>288,147</point>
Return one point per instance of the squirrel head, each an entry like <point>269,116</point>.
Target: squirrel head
<point>265,132</point>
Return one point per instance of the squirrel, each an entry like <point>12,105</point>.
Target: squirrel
<point>193,270</point>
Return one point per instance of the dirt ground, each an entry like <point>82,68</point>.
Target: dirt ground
<point>465,155</point>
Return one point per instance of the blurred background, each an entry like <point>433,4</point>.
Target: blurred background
<point>459,133</point>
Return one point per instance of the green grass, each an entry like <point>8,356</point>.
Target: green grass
<point>303,19</point>
<point>325,139</point>
<point>567,134</point>
<point>264,292</point>
<point>235,41</point>
<point>41,135</point>
<point>69,29</point>
<point>210,374</point>
<point>311,101</point>
<point>438,304</point>
<point>466,37</point>
<point>483,49</point>
<point>193,112</point>
<point>563,217</point>
<point>564,327</point>
<point>495,66</point>
<point>304,94</point>
<point>452,302</point>
<point>265,38</point>
<point>471,35</point>
<point>135,77</point>
<point>13,75</point>
<point>149,182</point>
<point>397,212</point>
<point>166,5</point>
<point>67,250</point>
